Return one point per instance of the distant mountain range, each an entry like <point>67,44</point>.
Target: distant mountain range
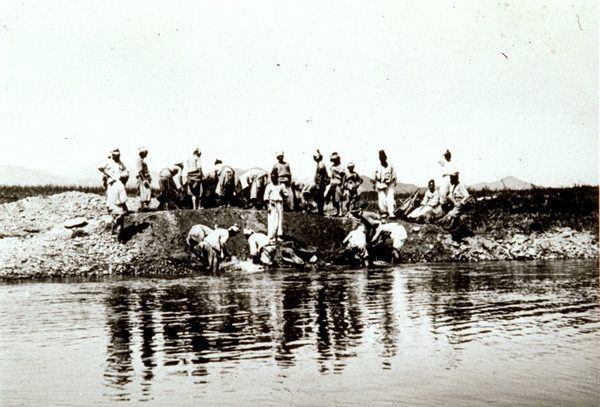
<point>505,183</point>
<point>90,176</point>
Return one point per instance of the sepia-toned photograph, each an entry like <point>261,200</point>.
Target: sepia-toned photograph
<point>299,203</point>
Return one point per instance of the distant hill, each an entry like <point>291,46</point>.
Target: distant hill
<point>401,188</point>
<point>17,175</point>
<point>505,183</point>
<point>90,176</point>
<point>87,176</point>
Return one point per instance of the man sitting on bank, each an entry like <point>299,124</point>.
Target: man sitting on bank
<point>430,207</point>
<point>458,198</point>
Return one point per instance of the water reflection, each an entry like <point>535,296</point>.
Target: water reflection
<point>205,327</point>
<point>119,368</point>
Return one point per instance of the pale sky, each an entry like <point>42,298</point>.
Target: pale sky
<point>510,88</point>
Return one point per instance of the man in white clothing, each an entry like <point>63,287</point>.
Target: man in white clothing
<point>458,196</point>
<point>116,199</point>
<point>196,235</point>
<point>385,182</point>
<point>356,244</point>
<point>394,231</point>
<point>261,250</point>
<point>213,246</point>
<point>448,169</point>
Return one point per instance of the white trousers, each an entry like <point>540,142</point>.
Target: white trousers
<point>275,219</point>
<point>386,201</point>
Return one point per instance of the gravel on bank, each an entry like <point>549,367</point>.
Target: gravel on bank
<point>68,234</point>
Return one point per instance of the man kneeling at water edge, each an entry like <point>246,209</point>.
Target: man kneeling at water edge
<point>261,250</point>
<point>356,244</point>
<point>396,232</point>
<point>196,235</point>
<point>212,250</point>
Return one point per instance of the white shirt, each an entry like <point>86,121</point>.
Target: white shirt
<point>256,242</point>
<point>198,233</point>
<point>385,176</point>
<point>217,238</point>
<point>448,167</point>
<point>395,230</point>
<point>275,193</point>
<point>356,238</point>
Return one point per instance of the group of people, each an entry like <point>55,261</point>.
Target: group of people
<point>256,188</point>
<point>445,205</point>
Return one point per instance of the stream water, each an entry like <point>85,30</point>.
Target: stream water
<point>502,334</point>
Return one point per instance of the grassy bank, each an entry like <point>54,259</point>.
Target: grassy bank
<point>497,213</point>
<point>503,213</point>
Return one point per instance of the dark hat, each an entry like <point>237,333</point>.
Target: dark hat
<point>382,154</point>
<point>334,157</point>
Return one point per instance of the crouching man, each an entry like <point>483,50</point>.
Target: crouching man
<point>356,245</point>
<point>261,251</point>
<point>196,235</point>
<point>213,247</point>
<point>395,232</point>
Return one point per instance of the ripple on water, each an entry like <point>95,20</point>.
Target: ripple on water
<point>416,335</point>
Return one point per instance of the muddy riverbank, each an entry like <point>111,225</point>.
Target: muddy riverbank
<point>68,234</point>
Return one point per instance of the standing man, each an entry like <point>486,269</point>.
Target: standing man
<point>283,173</point>
<point>195,178</point>
<point>275,195</point>
<point>116,199</point>
<point>113,168</point>
<point>352,181</point>
<point>448,169</point>
<point>143,178</point>
<point>335,193</point>
<point>321,181</point>
<point>385,181</point>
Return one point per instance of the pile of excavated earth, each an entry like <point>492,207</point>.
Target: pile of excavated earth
<point>69,234</point>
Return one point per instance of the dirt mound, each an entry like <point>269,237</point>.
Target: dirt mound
<point>68,234</point>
